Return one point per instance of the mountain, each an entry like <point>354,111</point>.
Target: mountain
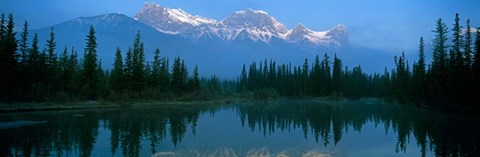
<point>112,30</point>
<point>249,24</point>
<point>217,47</point>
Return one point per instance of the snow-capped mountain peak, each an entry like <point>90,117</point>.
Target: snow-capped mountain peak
<point>167,20</point>
<point>339,33</point>
<point>300,28</point>
<point>254,19</point>
<point>248,24</point>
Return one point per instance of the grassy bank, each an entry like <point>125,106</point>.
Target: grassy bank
<point>48,106</point>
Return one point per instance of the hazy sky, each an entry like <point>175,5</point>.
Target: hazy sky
<point>391,25</point>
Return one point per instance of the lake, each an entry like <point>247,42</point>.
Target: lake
<point>283,127</point>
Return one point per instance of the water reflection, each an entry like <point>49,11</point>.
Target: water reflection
<point>130,131</point>
<point>445,135</point>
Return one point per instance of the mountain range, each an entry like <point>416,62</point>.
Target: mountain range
<point>249,24</point>
<point>218,47</point>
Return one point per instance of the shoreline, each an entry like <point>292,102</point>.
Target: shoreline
<point>52,106</point>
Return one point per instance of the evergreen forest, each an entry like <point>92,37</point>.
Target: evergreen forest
<point>29,73</point>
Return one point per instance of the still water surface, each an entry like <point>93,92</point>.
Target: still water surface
<point>279,128</point>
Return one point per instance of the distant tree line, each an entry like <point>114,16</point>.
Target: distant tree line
<point>321,78</point>
<point>28,74</point>
<point>449,82</point>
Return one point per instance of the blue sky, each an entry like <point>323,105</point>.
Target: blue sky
<point>390,25</point>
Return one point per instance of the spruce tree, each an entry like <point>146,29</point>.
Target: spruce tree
<point>117,75</point>
<point>457,41</point>
<point>51,46</point>
<point>138,75</point>
<point>316,76</point>
<point>243,80</point>
<point>23,46</point>
<point>419,73</point>
<point>439,47</point>
<point>52,69</point>
<point>164,82</point>
<point>304,78</point>
<point>476,63</point>
<point>90,76</point>
<point>468,48</point>
<point>23,62</point>
<point>337,75</point>
<point>155,77</point>
<point>8,60</point>
<point>128,69</point>
<point>468,76</point>
<point>34,60</point>
<point>65,74</point>
<point>178,81</point>
<point>196,79</point>
<point>438,73</point>
<point>327,75</point>
<point>73,69</point>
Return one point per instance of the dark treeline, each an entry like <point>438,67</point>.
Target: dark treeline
<point>449,82</point>
<point>322,78</point>
<point>29,74</point>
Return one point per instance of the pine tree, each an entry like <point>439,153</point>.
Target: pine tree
<point>184,74</point>
<point>304,78</point>
<point>419,73</point>
<point>439,77</point>
<point>51,46</point>
<point>117,76</point>
<point>156,75</point>
<point>23,63</point>
<point>469,78</point>
<point>138,75</point>
<point>36,71</point>
<point>243,86</point>
<point>90,76</point>
<point>337,75</point>
<point>65,74</point>
<point>178,81</point>
<point>457,41</point>
<point>327,76</point>
<point>196,79</point>
<point>34,60</point>
<point>52,69</point>
<point>73,69</point>
<point>23,47</point>
<point>476,63</point>
<point>316,76</point>
<point>8,60</point>
<point>468,48</point>
<point>103,90</point>
<point>164,74</point>
<point>439,50</point>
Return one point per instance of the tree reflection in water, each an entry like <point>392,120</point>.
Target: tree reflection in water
<point>74,133</point>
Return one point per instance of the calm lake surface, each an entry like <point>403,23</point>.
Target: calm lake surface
<point>278,128</point>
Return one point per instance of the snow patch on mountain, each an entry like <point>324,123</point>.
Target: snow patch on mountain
<point>255,25</point>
